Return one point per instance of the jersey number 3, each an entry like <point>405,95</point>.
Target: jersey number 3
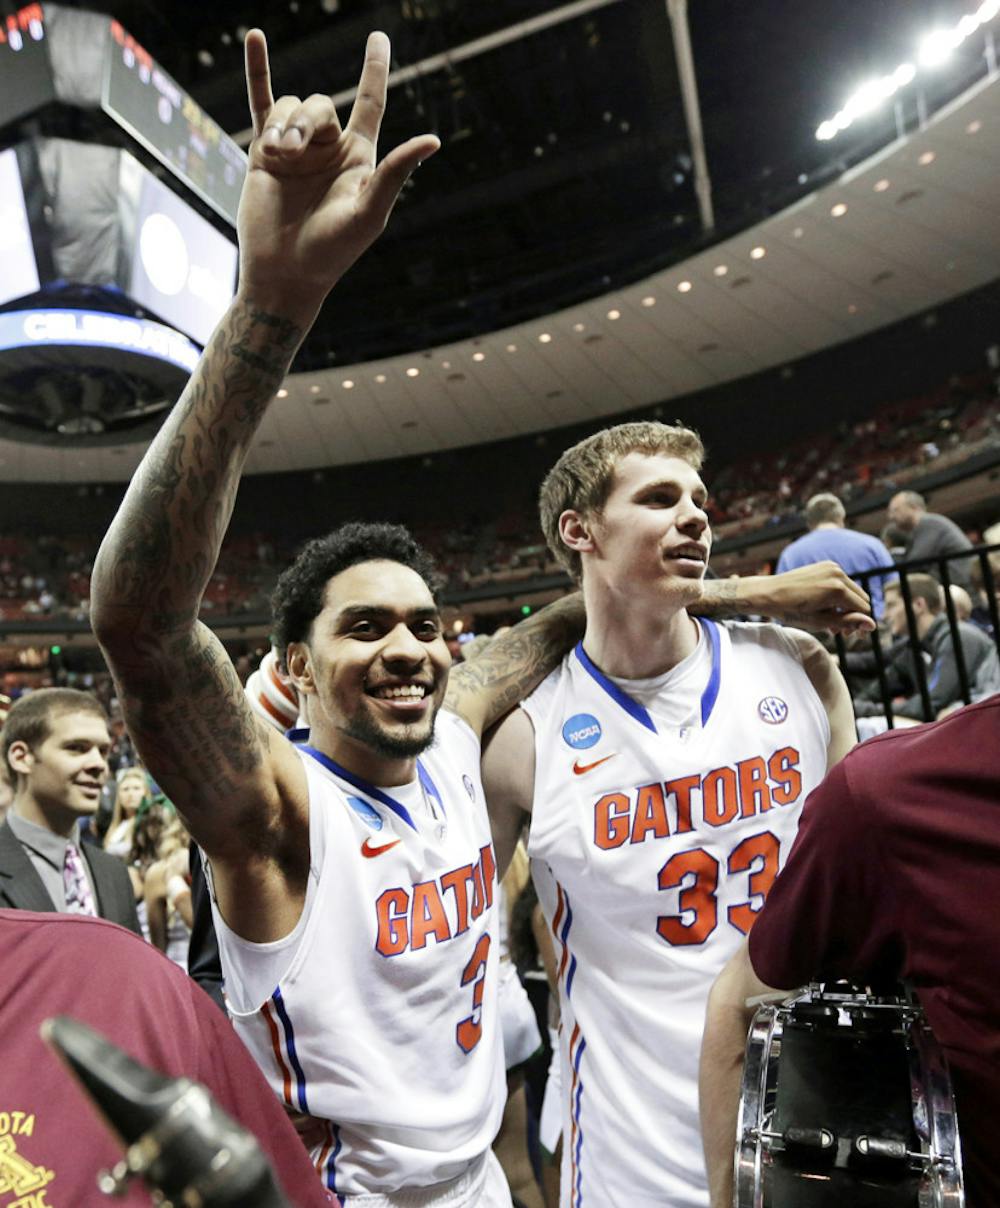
<point>468,1031</point>
<point>756,855</point>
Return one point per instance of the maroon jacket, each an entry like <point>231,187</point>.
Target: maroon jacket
<point>110,979</point>
<point>895,873</point>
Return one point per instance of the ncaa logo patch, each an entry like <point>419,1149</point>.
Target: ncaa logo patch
<point>367,813</point>
<point>583,730</point>
<point>773,710</point>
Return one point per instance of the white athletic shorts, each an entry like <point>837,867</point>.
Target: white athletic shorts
<point>484,1185</point>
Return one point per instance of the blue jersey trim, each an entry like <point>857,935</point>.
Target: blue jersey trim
<point>331,1164</point>
<point>577,1106</point>
<point>633,708</point>
<point>363,786</point>
<point>711,693</point>
<point>293,1057</point>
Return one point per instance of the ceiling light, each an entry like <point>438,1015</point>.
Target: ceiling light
<point>758,253</point>
<point>479,356</point>
<point>974,126</point>
<point>720,270</point>
<point>649,300</point>
<point>798,233</point>
<point>512,348</point>
<point>937,46</point>
<point>880,186</point>
<point>347,384</point>
<point>852,309</point>
<point>614,314</point>
<point>926,158</point>
<point>380,378</point>
<point>314,390</point>
<point>282,393</point>
<point>446,364</point>
<point>545,338</point>
<point>839,210</point>
<point>413,371</point>
<point>683,287</point>
<point>579,326</point>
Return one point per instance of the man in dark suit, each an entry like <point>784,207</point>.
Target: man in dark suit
<point>55,748</point>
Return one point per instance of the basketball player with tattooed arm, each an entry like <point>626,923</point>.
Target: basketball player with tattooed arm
<point>353,876</point>
<point>664,765</point>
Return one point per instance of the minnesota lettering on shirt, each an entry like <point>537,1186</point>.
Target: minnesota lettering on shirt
<point>19,1176</point>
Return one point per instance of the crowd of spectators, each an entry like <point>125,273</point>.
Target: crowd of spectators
<point>43,578</point>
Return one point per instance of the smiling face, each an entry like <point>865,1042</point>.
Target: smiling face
<point>131,790</point>
<point>61,776</point>
<point>376,665</point>
<point>651,538</point>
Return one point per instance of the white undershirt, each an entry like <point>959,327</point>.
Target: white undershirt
<point>673,699</point>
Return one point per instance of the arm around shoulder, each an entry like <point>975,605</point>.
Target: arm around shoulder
<point>515,663</point>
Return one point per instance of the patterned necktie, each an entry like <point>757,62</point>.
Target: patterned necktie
<point>79,899</point>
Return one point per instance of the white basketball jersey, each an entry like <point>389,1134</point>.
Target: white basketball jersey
<point>654,842</point>
<point>383,1023</point>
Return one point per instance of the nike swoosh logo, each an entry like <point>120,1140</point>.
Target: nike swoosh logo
<point>369,852</point>
<point>581,768</point>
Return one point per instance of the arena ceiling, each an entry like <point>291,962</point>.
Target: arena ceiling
<point>563,196</point>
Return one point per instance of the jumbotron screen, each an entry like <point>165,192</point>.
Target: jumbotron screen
<point>182,269</point>
<point>25,71</point>
<point>18,269</point>
<point>170,124</point>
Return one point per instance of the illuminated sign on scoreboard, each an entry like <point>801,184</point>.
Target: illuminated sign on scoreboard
<point>95,329</point>
<point>169,123</point>
<point>25,71</point>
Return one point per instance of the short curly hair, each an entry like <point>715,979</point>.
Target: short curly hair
<point>298,596</point>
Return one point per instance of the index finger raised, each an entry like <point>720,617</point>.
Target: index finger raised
<point>258,71</point>
<point>369,104</point>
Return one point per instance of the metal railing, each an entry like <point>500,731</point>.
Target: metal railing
<point>939,568</point>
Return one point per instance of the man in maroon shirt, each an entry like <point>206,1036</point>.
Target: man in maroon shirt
<point>52,1141</point>
<point>895,873</point>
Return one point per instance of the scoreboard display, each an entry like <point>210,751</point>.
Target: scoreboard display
<point>26,80</point>
<point>158,113</point>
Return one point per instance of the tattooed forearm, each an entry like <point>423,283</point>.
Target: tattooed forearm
<point>720,598</point>
<point>161,549</point>
<point>183,701</point>
<point>514,664</point>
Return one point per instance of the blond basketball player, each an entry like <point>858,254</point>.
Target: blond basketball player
<point>664,765</point>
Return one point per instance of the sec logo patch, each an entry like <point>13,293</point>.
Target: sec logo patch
<point>581,731</point>
<point>773,710</point>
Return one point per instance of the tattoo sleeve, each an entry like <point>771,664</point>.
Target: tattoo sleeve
<point>722,598</point>
<point>181,696</point>
<point>514,664</point>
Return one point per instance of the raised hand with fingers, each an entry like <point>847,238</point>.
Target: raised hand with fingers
<point>315,196</point>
